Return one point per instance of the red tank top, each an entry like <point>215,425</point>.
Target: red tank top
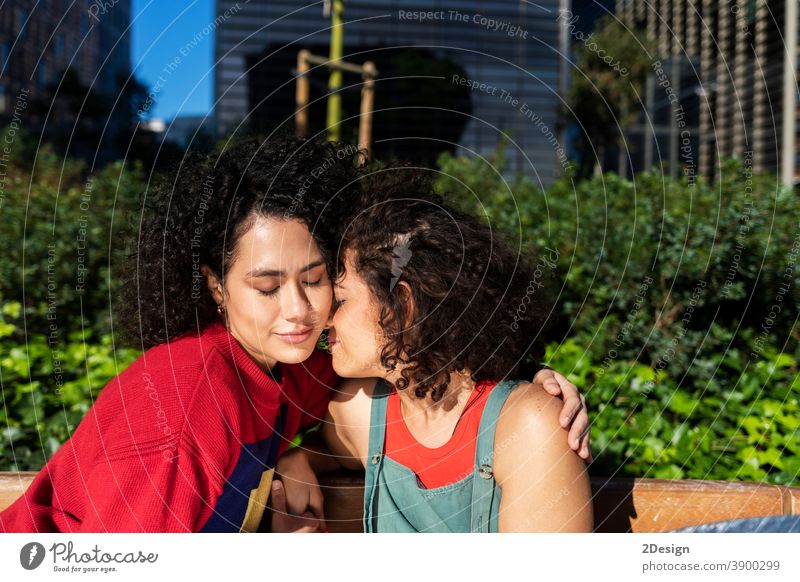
<point>443,465</point>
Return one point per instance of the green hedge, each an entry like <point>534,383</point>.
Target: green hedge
<point>64,233</point>
<point>65,230</point>
<point>647,424</point>
<point>47,388</point>
<point>676,311</point>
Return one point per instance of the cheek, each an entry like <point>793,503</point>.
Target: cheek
<point>322,301</point>
<point>258,310</point>
<point>265,314</point>
<point>359,322</point>
<point>348,325</point>
<point>338,320</point>
<point>241,304</point>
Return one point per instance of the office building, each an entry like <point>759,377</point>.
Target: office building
<point>490,67</point>
<point>733,66</point>
<point>40,41</point>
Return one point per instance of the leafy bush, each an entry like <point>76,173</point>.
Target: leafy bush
<point>646,267</point>
<point>64,230</point>
<point>682,296</point>
<point>48,388</point>
<point>63,242</point>
<point>646,424</point>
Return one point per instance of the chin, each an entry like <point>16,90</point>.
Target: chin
<point>297,354</point>
<point>346,369</point>
<point>339,365</point>
<point>340,369</point>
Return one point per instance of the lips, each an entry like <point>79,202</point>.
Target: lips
<point>296,337</point>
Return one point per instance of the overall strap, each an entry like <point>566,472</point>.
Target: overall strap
<point>483,489</point>
<point>377,438</point>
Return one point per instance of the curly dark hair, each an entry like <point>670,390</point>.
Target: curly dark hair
<point>479,304</point>
<point>196,216</point>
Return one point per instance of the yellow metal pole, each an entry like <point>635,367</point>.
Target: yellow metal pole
<point>335,80</point>
<point>301,94</point>
<point>367,97</point>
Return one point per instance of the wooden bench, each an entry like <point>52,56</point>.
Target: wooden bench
<point>620,505</point>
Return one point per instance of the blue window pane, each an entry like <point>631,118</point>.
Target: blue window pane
<point>22,20</point>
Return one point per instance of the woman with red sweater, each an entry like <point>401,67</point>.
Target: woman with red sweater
<point>229,293</point>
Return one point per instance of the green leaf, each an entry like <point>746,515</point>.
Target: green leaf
<point>682,404</point>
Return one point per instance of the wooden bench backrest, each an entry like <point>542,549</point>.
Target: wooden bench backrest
<point>12,486</point>
<point>620,505</point>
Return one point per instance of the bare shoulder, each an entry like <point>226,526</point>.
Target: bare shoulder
<point>528,427</point>
<point>531,409</point>
<point>545,484</point>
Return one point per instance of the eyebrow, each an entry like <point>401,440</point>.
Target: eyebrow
<point>276,273</point>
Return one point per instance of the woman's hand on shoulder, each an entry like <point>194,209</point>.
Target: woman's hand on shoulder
<point>574,415</point>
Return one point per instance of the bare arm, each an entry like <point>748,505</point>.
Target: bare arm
<point>544,482</point>
<point>345,433</point>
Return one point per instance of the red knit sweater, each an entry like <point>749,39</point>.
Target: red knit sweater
<point>185,439</point>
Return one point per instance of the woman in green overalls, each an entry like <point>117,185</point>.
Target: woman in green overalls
<point>433,303</point>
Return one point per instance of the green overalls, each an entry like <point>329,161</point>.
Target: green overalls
<point>393,500</point>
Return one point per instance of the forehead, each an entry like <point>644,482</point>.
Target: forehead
<point>348,272</point>
<point>277,243</point>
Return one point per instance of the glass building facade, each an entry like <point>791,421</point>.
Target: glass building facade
<point>452,75</point>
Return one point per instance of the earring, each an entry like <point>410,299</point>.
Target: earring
<point>220,309</point>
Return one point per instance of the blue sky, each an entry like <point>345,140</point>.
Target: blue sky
<point>172,49</point>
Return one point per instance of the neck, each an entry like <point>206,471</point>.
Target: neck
<point>451,404</point>
<point>433,423</point>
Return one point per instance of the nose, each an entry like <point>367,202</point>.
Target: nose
<point>295,305</point>
<point>331,312</point>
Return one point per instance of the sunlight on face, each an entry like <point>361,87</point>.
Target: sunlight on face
<point>355,336</point>
<point>277,293</point>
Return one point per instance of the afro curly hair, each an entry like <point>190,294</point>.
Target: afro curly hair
<point>196,215</point>
<point>479,304</point>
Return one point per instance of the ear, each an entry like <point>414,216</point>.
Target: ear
<point>214,284</point>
